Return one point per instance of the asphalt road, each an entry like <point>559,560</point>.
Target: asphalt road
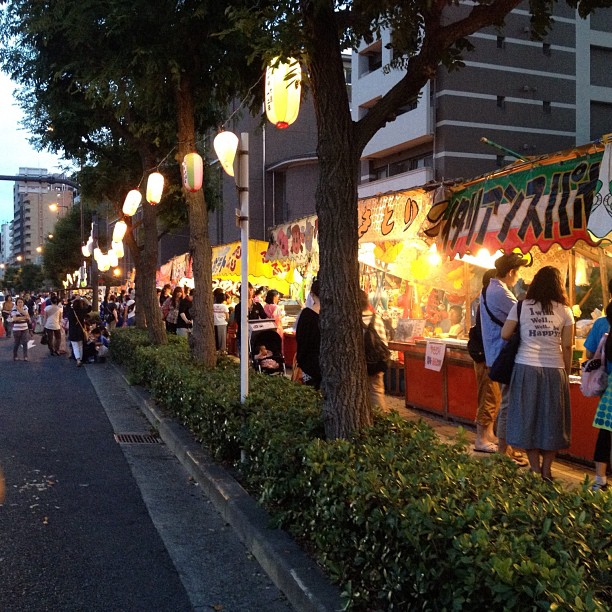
<point>90,524</point>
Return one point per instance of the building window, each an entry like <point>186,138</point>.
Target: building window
<point>406,108</point>
<point>500,160</point>
<point>381,173</point>
<point>546,107</point>
<point>501,42</point>
<point>546,49</point>
<point>501,102</point>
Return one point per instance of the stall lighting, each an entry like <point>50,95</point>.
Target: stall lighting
<point>283,92</point>
<point>433,257</point>
<point>193,172</point>
<point>85,250</point>
<point>132,202</point>
<point>226,145</point>
<point>155,189</point>
<point>117,272</point>
<point>97,255</point>
<point>482,259</point>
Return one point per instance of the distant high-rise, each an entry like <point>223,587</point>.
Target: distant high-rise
<point>37,205</point>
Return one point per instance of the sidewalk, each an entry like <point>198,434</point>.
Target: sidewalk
<point>292,571</point>
<point>571,474</point>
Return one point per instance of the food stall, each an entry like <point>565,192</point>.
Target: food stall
<point>540,207</point>
<point>423,253</point>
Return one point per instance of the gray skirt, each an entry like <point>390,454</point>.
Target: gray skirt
<point>539,408</point>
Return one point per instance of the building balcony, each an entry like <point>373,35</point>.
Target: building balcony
<point>398,182</point>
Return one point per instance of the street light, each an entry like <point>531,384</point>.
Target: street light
<point>54,206</point>
<point>223,147</point>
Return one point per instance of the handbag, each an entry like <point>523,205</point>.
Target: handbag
<point>501,370</point>
<point>594,376</point>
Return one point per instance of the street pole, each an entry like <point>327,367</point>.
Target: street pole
<point>94,263</point>
<point>243,193</point>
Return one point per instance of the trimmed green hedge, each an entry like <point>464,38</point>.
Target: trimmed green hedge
<point>400,520</point>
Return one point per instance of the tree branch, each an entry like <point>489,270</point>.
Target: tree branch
<point>423,66</point>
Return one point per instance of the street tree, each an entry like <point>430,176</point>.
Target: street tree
<point>426,34</point>
<point>170,83</point>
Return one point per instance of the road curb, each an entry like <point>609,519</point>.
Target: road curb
<point>291,570</point>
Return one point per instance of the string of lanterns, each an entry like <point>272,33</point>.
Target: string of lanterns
<point>282,103</point>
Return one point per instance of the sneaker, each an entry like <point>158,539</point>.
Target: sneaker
<point>599,486</point>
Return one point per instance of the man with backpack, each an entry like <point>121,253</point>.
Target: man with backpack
<point>487,391</point>
<point>376,351</point>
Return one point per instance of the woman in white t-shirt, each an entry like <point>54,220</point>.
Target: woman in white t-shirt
<point>539,402</point>
<point>221,316</point>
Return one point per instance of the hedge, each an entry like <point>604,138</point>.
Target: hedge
<point>399,519</point>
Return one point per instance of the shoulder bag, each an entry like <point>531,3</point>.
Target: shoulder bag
<point>594,376</point>
<point>501,370</point>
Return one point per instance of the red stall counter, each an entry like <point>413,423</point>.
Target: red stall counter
<point>451,392</point>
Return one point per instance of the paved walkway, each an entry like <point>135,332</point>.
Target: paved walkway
<point>572,474</point>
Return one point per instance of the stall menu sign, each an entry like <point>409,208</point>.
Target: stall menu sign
<point>434,355</point>
<point>540,205</point>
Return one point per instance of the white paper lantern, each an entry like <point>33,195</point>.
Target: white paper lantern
<point>226,145</point>
<point>118,248</point>
<point>119,231</point>
<point>132,202</point>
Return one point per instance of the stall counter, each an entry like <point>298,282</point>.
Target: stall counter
<point>451,392</point>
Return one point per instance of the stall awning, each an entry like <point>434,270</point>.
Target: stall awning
<point>396,216</point>
<point>226,265</point>
<point>542,202</point>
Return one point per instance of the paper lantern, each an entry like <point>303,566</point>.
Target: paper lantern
<point>226,145</point>
<point>85,250</point>
<point>193,172</point>
<point>118,248</point>
<point>119,231</point>
<point>104,263</point>
<point>132,202</point>
<point>97,255</point>
<point>112,258</point>
<point>283,92</point>
<point>155,188</point>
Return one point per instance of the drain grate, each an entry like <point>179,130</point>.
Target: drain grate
<point>137,438</point>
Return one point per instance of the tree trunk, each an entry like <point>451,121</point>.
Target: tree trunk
<point>147,303</point>
<point>202,341</point>
<point>346,403</point>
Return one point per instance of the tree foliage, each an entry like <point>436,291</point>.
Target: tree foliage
<point>426,34</point>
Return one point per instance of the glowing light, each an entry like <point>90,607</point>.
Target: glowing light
<point>433,257</point>
<point>226,145</point>
<point>132,202</point>
<point>119,231</point>
<point>193,172</point>
<point>283,92</point>
<point>155,189</point>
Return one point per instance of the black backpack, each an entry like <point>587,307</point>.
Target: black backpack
<point>474,345</point>
<point>377,353</point>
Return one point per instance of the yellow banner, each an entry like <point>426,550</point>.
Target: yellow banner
<point>227,262</point>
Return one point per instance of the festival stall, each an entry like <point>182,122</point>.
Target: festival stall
<point>423,253</point>
<point>540,207</point>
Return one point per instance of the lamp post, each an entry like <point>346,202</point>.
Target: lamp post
<point>226,146</point>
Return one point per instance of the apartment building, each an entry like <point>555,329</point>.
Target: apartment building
<point>527,96</point>
<point>37,205</point>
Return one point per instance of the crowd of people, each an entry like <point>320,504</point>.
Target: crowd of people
<point>63,325</point>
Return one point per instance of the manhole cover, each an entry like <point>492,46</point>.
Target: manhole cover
<point>137,438</point>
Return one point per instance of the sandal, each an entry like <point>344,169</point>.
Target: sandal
<point>487,447</point>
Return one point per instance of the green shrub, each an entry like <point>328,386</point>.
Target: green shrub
<point>400,520</point>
